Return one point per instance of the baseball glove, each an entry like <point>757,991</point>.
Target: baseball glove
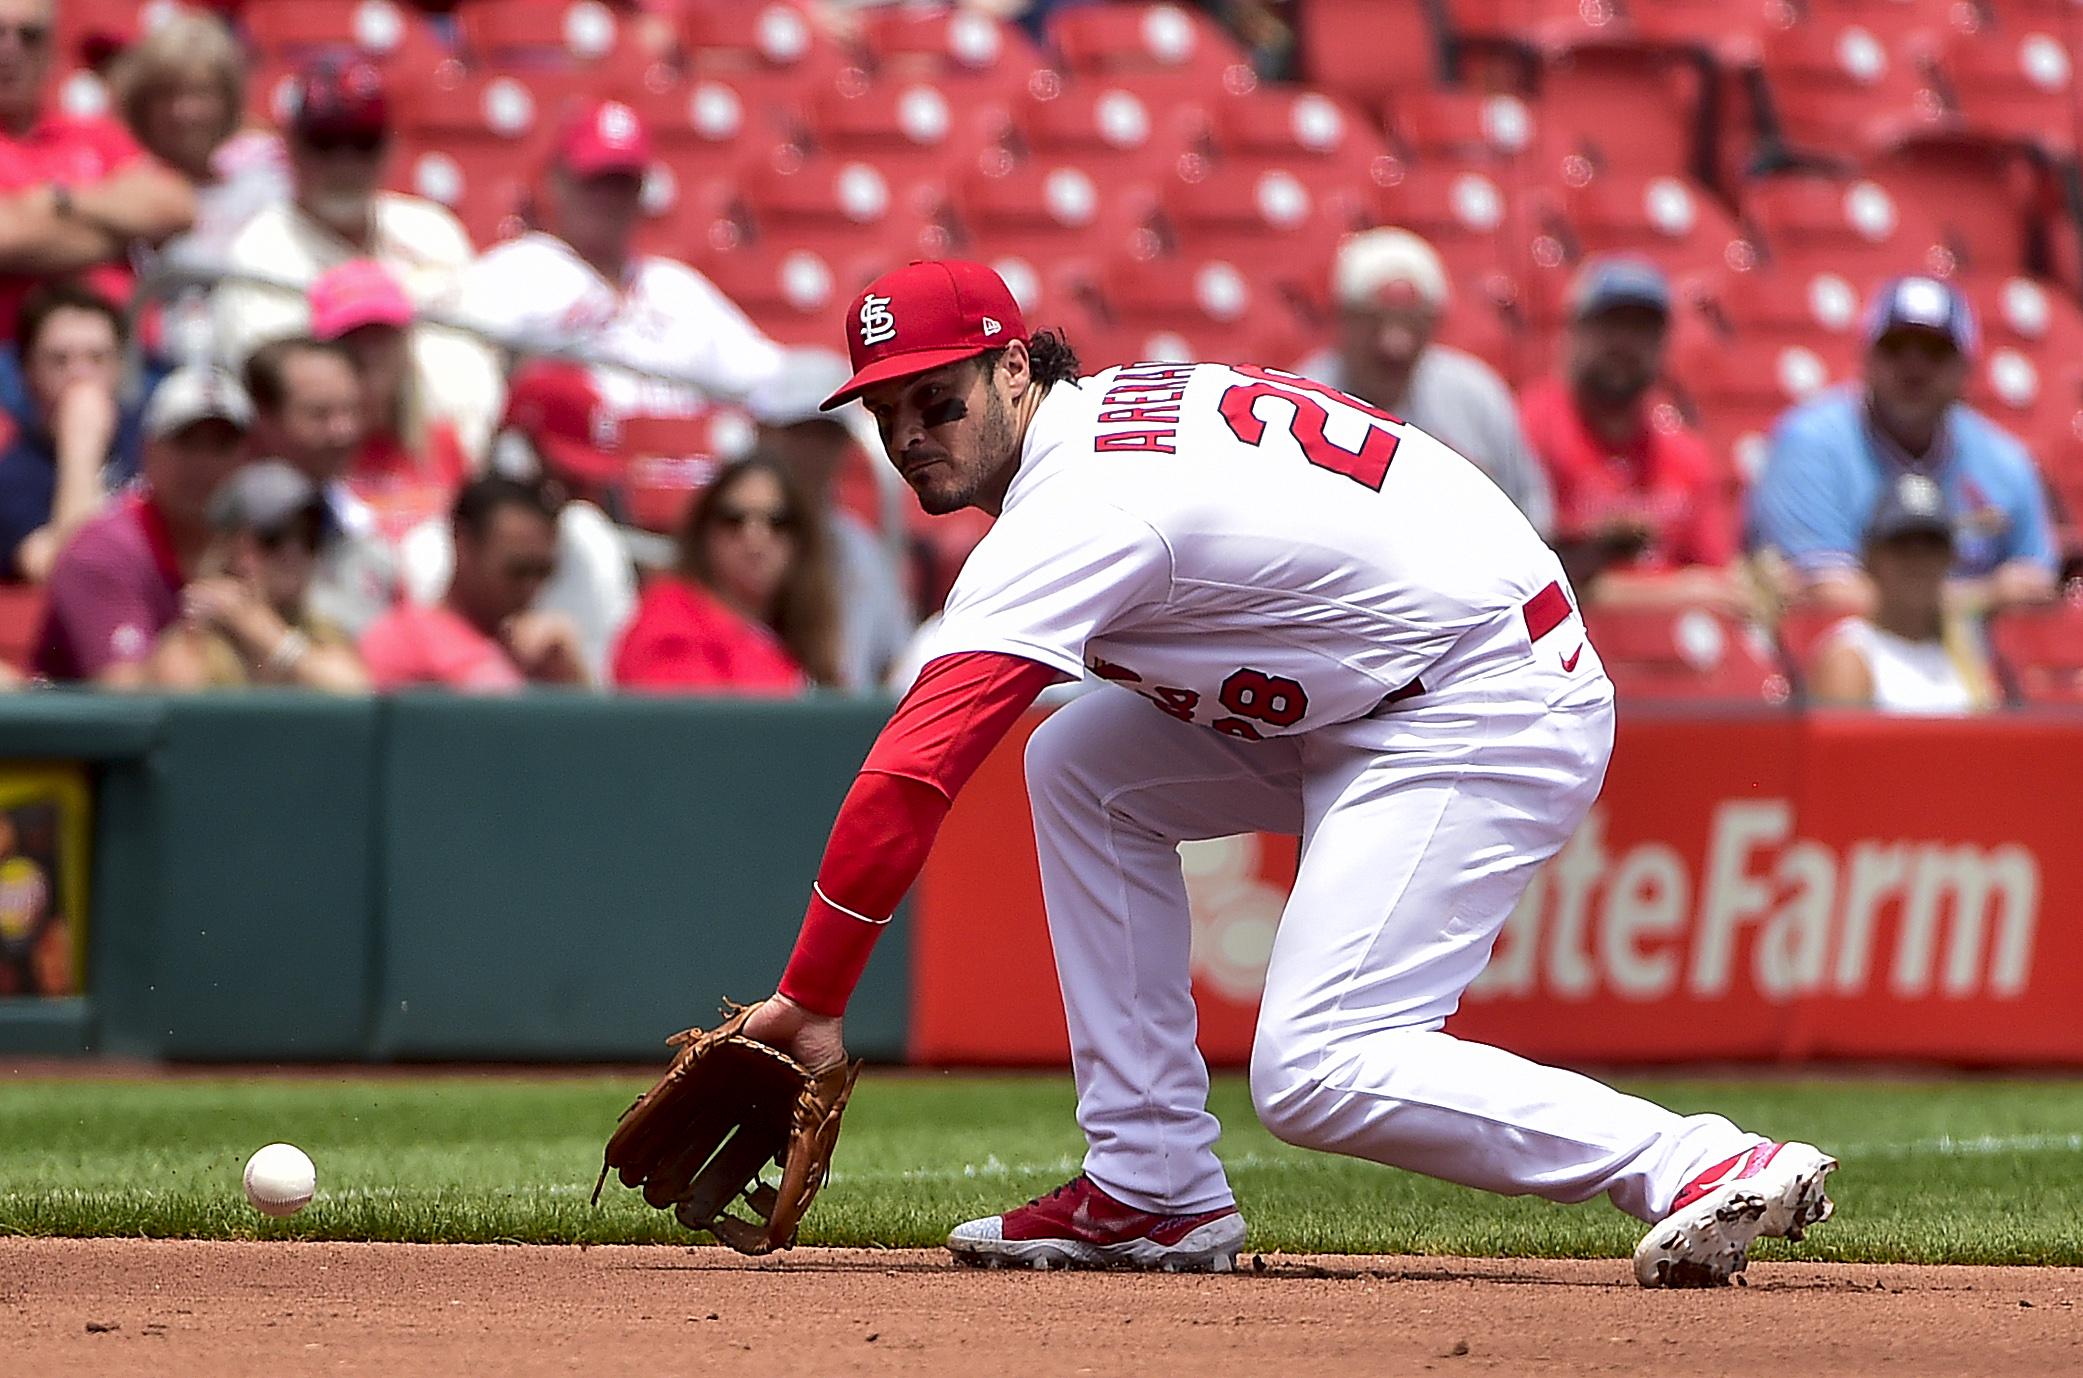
<point>700,1140</point>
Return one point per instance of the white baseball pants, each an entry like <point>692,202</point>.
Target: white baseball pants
<point>1413,854</point>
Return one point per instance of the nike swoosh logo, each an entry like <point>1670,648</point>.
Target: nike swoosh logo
<point>1569,662</point>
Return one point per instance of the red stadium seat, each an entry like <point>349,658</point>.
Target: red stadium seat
<point>1538,24</point>
<point>672,458</point>
<point>1671,219</point>
<point>1980,194</point>
<point>772,53</point>
<point>1367,51</point>
<point>487,183</point>
<point>1200,309</point>
<point>1103,125</point>
<point>1463,212</point>
<point>1688,656</point>
<point>1460,126</point>
<point>2014,85</point>
<point>1051,212</point>
<point>840,208</point>
<point>1165,49</point>
<point>1295,126</point>
<point>529,34</point>
<point>963,50</point>
<point>793,294</point>
<point>1833,89</point>
<point>386,31</point>
<point>2039,652</point>
<point>522,109</point>
<point>21,617</point>
<point>911,132</point>
<point>1854,226</point>
<point>1620,109</point>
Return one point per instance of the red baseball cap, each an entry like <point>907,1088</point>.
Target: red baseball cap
<point>557,406</point>
<point>925,315</point>
<point>605,136</point>
<point>357,293</point>
<point>336,95</point>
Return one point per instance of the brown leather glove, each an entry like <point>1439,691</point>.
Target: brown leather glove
<point>699,1140</point>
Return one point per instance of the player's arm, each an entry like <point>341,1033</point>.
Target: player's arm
<point>958,711</point>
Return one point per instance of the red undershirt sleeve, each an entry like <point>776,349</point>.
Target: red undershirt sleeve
<point>959,709</point>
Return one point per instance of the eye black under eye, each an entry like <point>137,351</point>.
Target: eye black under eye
<point>946,410</point>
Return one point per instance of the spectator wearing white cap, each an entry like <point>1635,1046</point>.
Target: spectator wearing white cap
<point>1392,291</point>
<point>246,617</point>
<point>578,284</point>
<point>1913,655</point>
<point>875,615</point>
<point>117,584</point>
<point>1834,458</point>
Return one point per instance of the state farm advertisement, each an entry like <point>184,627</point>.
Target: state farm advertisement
<point>1776,889</point>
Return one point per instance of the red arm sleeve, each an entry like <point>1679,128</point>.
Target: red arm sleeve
<point>954,715</point>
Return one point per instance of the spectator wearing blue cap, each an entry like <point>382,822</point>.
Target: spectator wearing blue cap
<point>1913,655</point>
<point>1642,518</point>
<point>1834,458</point>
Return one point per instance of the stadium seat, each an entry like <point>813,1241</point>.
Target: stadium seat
<point>1203,309</point>
<point>1166,50</point>
<point>1670,219</point>
<point>911,132</point>
<point>1460,126</point>
<point>1051,213</point>
<point>21,617</point>
<point>1979,193</point>
<point>1833,90</point>
<point>1267,211</point>
<point>1462,211</point>
<point>1296,126</point>
<point>1538,25</point>
<point>1691,656</point>
<point>486,182</point>
<point>961,50</point>
<point>1367,51</point>
<point>529,34</point>
<point>1103,125</point>
<point>503,108</point>
<point>2039,652</point>
<point>2013,85</point>
<point>672,458</point>
<point>392,34</point>
<point>1813,222</point>
<point>773,53</point>
<point>793,294</point>
<point>1621,109</point>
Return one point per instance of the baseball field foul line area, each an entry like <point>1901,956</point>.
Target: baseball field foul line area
<point>1360,1268</point>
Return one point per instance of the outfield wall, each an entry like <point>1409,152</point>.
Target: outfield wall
<point>284,877</point>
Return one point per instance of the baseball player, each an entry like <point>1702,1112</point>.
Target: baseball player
<point>1315,620</point>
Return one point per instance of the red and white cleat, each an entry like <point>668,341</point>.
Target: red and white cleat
<point>1079,1226</point>
<point>1773,1189</point>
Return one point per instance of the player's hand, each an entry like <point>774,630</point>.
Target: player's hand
<point>815,1040</point>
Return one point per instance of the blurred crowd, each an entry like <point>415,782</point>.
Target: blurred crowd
<point>331,443</point>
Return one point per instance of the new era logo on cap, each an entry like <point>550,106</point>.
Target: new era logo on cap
<point>951,310</point>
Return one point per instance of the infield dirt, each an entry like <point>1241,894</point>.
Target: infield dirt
<point>143,1306</point>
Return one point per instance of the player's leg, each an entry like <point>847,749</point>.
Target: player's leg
<point>1412,861</point>
<point>1115,786</point>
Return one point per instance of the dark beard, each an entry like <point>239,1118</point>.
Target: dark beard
<point>995,443</point>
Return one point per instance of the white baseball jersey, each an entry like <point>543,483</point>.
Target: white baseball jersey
<point>535,292</point>
<point>1254,552</point>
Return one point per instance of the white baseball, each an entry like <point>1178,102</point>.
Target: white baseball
<point>280,1179</point>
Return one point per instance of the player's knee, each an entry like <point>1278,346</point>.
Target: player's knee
<point>1286,1092</point>
<point>1052,757</point>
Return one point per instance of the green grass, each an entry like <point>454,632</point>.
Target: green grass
<point>1977,1171</point>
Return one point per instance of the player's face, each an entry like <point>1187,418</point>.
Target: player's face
<point>1912,376</point>
<point>1616,355</point>
<point>950,434</point>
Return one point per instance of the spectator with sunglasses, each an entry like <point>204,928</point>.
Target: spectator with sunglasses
<point>339,139</point>
<point>750,608</point>
<point>75,191</point>
<point>485,635</point>
<point>1835,457</point>
<point>246,619</point>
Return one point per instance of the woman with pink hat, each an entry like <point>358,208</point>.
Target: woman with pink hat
<point>410,465</point>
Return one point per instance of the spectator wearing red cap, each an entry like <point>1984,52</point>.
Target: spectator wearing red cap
<point>578,284</point>
<point>339,138</point>
<point>558,427</point>
<point>117,584</point>
<point>750,608</point>
<point>485,635</point>
<point>409,466</point>
<point>75,191</point>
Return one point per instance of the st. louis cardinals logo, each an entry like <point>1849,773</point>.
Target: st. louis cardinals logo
<point>877,324</point>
